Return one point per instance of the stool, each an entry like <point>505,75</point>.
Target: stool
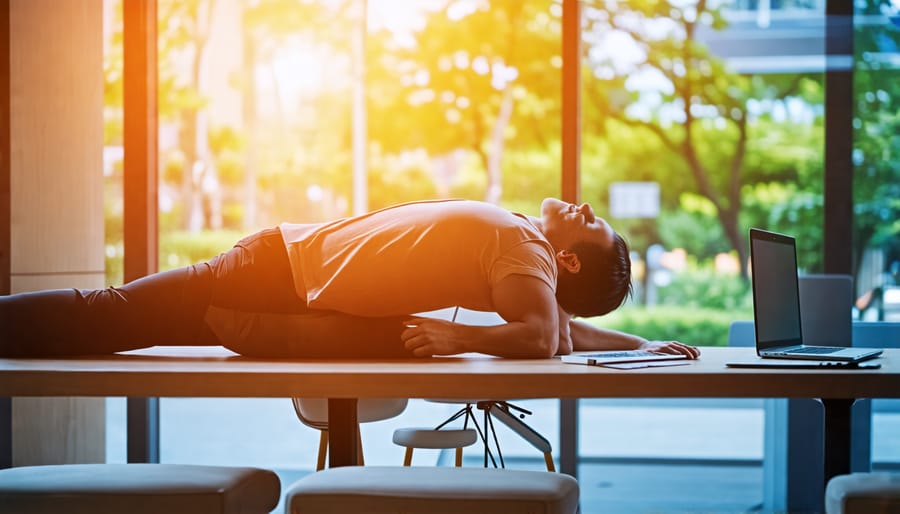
<point>443,439</point>
<point>863,493</point>
<point>138,488</point>
<point>437,490</point>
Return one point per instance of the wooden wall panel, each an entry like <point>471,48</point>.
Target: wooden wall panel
<point>58,431</point>
<point>56,125</point>
<point>56,281</point>
<point>56,196</point>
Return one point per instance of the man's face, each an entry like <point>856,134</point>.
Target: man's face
<point>566,223</point>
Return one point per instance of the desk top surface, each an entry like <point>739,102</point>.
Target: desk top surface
<point>215,372</point>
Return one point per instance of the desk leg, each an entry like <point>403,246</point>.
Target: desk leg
<point>5,432</point>
<point>837,436</point>
<point>142,423</point>
<point>568,436</point>
<point>343,431</point>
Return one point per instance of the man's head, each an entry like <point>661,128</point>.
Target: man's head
<point>602,283</point>
<point>593,260</point>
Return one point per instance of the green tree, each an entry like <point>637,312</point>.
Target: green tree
<point>482,77</point>
<point>184,29</point>
<point>876,134</point>
<point>699,108</point>
<point>266,25</point>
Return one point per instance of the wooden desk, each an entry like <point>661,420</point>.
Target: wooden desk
<point>213,372</point>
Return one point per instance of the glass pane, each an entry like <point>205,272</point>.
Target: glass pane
<point>113,152</point>
<point>465,102</point>
<point>305,111</point>
<point>876,188</point>
<point>876,152</point>
<point>700,121</point>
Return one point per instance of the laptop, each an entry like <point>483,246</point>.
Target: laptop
<point>776,304</point>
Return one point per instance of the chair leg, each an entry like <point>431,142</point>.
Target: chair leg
<point>407,457</point>
<point>323,450</point>
<point>459,455</point>
<point>548,458</point>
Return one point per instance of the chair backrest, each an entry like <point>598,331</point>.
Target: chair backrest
<point>869,334</point>
<point>825,313</point>
<point>826,309</point>
<point>313,412</point>
<point>876,334</point>
<point>741,333</point>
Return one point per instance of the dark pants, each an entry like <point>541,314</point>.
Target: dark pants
<point>168,309</point>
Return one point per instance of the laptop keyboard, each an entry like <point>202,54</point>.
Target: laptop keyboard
<point>816,350</point>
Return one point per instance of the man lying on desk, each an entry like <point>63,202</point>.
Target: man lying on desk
<point>348,288</point>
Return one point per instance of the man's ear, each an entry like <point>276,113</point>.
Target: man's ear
<point>568,260</point>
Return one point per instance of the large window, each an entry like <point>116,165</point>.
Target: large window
<point>876,189</point>
<point>303,111</point>
<point>699,120</point>
<point>876,153</point>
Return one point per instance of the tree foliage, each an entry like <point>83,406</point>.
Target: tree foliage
<point>669,87</point>
<point>483,77</point>
<point>468,104</point>
<point>876,136</point>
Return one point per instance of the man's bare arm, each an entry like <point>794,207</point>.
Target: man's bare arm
<point>587,337</point>
<point>565,345</point>
<point>528,306</point>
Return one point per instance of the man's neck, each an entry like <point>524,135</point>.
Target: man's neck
<point>536,222</point>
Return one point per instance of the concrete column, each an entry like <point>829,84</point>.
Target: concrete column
<point>56,196</point>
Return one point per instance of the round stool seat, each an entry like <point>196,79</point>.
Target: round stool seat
<point>435,439</point>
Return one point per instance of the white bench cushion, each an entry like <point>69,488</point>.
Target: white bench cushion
<point>435,490</point>
<point>863,493</point>
<point>138,488</point>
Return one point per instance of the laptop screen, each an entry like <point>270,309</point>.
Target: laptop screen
<point>776,301</point>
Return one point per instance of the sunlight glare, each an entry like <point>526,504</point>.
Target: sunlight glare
<point>399,16</point>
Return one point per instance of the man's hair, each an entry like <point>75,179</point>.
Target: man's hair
<point>601,285</point>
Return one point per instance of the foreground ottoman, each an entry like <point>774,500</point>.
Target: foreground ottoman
<point>435,490</point>
<point>863,493</point>
<point>138,489</point>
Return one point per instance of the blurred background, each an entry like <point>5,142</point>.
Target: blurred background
<point>304,111</point>
<point>700,119</point>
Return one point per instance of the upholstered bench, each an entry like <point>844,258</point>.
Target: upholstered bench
<point>863,493</point>
<point>138,488</point>
<point>431,490</point>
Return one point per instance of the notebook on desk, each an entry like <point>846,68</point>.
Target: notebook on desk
<point>618,357</point>
<point>776,304</point>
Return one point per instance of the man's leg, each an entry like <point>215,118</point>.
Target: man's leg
<point>255,276</point>
<point>164,308</point>
<point>310,335</point>
<point>256,311</point>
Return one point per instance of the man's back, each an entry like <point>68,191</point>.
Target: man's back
<point>415,257</point>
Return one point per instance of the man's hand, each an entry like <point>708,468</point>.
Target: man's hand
<point>425,337</point>
<point>525,303</point>
<point>673,347</point>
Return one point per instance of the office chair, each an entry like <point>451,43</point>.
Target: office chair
<point>313,412</point>
<point>510,415</point>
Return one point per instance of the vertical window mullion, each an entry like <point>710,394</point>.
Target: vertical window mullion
<point>140,191</point>
<point>838,173</point>
<point>571,101</point>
